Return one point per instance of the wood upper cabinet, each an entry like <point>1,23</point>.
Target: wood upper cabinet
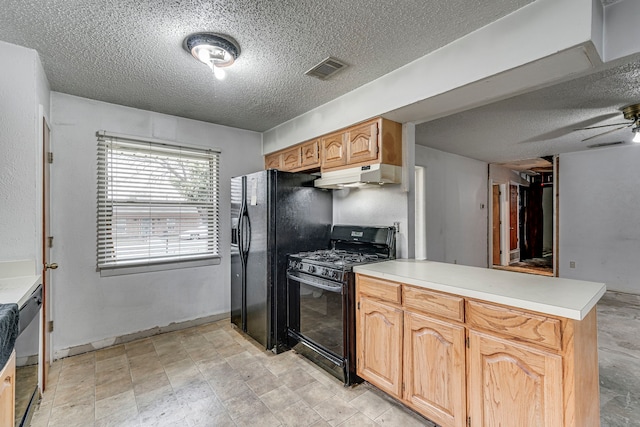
<point>362,143</point>
<point>434,369</point>
<point>334,152</point>
<point>310,154</point>
<point>291,159</point>
<point>379,345</point>
<point>513,384</point>
<point>8,392</point>
<point>273,161</point>
<point>374,141</point>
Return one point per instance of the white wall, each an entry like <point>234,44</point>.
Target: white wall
<point>374,206</point>
<point>456,224</point>
<point>23,86</point>
<point>88,308</point>
<point>600,216</point>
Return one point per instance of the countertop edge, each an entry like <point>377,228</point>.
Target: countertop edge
<point>18,289</point>
<point>525,304</point>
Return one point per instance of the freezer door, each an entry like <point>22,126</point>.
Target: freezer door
<point>258,304</point>
<point>237,268</point>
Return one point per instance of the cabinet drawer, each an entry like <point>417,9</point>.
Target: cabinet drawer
<point>449,306</point>
<point>530,327</point>
<point>383,289</point>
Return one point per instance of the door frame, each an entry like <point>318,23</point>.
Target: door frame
<point>46,346</point>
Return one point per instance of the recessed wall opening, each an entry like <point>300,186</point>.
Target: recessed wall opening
<point>523,216</point>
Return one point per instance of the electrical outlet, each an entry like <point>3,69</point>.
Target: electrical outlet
<point>572,264</point>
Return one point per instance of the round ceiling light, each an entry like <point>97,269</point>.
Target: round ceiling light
<point>213,49</point>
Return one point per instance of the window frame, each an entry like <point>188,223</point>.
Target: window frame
<point>205,251</point>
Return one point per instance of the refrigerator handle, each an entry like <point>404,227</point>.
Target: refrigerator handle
<point>246,231</point>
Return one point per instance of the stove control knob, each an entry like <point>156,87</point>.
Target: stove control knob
<point>312,268</point>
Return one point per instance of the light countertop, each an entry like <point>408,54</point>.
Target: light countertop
<point>17,281</point>
<point>568,298</point>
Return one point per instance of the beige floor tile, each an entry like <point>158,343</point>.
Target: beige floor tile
<point>115,403</point>
<point>314,393</point>
<point>266,419</point>
<point>298,414</point>
<point>264,383</point>
<point>73,414</point>
<point>151,382</point>
<point>123,418</point>
<point>296,378</point>
<point>109,352</point>
<point>114,363</point>
<point>70,396</point>
<point>398,416</point>
<point>370,404</point>
<point>146,399</point>
<point>229,390</point>
<point>244,403</point>
<point>335,411</point>
<point>116,386</point>
<point>358,420</point>
<point>104,377</point>
<point>279,398</point>
<point>143,347</point>
<point>162,410</point>
<point>194,390</point>
<point>202,411</point>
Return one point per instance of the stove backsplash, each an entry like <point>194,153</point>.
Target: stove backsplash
<point>376,207</point>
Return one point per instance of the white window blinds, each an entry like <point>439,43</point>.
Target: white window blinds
<point>157,202</point>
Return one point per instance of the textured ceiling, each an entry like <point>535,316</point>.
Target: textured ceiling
<point>542,122</point>
<point>130,52</point>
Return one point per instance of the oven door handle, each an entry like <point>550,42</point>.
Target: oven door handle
<point>315,284</point>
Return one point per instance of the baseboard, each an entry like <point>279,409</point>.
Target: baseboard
<point>108,342</point>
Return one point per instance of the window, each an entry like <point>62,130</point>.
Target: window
<point>157,203</point>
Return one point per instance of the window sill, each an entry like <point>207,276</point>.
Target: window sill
<point>148,268</point>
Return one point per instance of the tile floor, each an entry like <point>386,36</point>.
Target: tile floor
<point>213,376</point>
<point>209,375</point>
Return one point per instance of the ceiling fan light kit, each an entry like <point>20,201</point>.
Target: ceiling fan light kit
<point>630,112</point>
<point>214,50</point>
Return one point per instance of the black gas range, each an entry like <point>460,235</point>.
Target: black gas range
<point>321,293</point>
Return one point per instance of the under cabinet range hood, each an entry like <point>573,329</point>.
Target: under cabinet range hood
<point>361,176</point>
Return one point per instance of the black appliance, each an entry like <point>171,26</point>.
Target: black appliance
<point>321,289</point>
<point>273,214</point>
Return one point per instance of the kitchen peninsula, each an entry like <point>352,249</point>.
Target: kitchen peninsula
<point>473,346</point>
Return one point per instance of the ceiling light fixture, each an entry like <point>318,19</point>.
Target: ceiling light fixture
<point>632,112</point>
<point>215,50</point>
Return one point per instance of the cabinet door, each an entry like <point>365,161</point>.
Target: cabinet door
<point>362,143</point>
<point>434,369</point>
<point>333,150</point>
<point>311,154</point>
<point>291,159</point>
<point>513,384</point>
<point>7,391</point>
<point>379,345</point>
<point>272,161</point>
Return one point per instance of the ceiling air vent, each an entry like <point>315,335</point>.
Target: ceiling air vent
<point>326,68</point>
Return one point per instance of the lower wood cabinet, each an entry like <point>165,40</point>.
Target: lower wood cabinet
<point>513,384</point>
<point>8,392</point>
<point>434,369</point>
<point>379,345</point>
<point>461,362</point>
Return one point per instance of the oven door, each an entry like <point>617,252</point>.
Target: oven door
<point>316,313</point>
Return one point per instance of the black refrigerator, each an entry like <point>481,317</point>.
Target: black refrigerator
<point>273,214</point>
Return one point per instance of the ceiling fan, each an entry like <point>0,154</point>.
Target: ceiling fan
<point>630,112</point>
